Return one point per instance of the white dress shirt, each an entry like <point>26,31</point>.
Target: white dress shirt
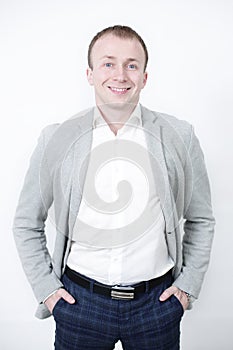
<point>130,259</point>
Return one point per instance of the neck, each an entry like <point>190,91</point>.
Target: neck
<point>116,115</point>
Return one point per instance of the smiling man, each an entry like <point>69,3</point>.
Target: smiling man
<point>132,212</point>
<point>117,72</point>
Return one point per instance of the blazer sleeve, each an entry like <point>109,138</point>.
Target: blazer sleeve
<point>198,221</point>
<point>29,222</point>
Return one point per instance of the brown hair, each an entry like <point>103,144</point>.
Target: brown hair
<point>123,32</point>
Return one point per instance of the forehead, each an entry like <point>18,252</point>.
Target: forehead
<point>111,45</point>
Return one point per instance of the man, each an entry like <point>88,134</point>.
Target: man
<point>132,212</point>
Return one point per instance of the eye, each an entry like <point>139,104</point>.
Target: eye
<point>132,66</point>
<point>108,65</point>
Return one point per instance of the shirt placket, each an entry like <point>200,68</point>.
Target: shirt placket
<point>116,254</point>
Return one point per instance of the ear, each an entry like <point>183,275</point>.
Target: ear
<point>144,79</point>
<point>89,73</point>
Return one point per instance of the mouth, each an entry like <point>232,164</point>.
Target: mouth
<point>118,91</point>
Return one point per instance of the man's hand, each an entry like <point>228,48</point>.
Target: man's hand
<point>53,299</point>
<point>179,294</point>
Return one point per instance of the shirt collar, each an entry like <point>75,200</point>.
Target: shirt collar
<point>134,119</point>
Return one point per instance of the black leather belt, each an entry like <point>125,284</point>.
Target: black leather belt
<point>118,291</point>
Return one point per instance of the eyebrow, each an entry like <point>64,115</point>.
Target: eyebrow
<point>130,59</point>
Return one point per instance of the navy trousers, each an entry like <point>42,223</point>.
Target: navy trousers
<point>98,322</point>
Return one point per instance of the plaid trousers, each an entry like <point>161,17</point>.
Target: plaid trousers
<point>97,322</point>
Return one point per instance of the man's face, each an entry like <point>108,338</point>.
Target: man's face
<point>117,72</point>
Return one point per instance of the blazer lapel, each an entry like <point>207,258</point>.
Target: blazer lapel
<point>81,154</point>
<point>154,137</point>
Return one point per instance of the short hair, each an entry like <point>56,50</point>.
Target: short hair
<point>120,31</point>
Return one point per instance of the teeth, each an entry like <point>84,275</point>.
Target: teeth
<point>118,89</point>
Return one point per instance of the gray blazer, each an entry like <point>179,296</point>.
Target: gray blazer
<point>56,176</point>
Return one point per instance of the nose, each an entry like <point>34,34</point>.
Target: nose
<point>120,74</point>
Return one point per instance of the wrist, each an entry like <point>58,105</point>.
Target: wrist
<point>50,295</point>
<point>189,297</point>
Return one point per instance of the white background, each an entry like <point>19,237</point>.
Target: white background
<point>42,80</point>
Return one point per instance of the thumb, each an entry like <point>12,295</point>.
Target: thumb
<point>66,296</point>
<point>167,293</point>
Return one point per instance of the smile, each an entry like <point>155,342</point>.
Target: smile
<point>119,91</point>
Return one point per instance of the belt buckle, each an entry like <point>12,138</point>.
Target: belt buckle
<point>122,292</point>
